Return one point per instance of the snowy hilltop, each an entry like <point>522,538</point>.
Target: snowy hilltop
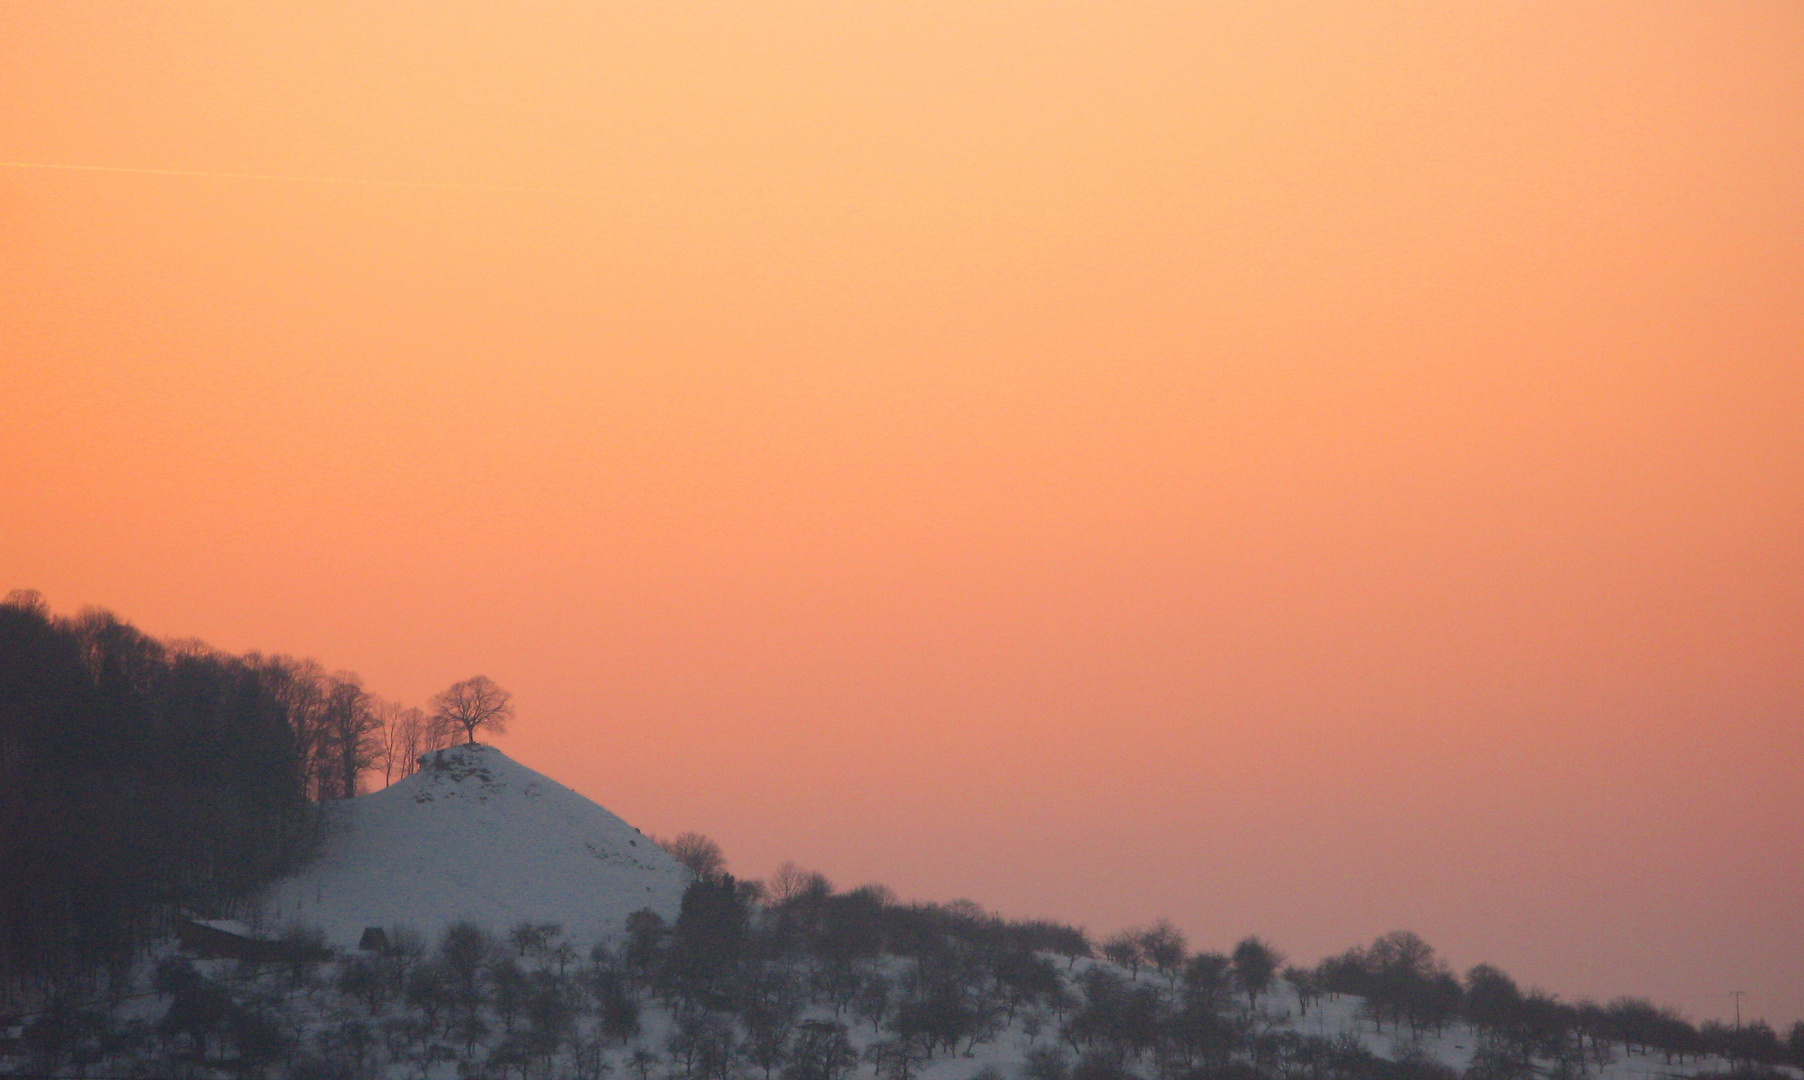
<point>475,835</point>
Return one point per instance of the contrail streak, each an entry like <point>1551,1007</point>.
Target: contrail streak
<point>443,184</point>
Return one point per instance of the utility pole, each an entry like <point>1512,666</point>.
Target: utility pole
<point>1735,1060</point>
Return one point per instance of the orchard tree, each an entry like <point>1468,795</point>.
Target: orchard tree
<point>472,704</point>
<point>1255,965</point>
<point>1302,980</point>
<point>1123,949</point>
<point>1208,981</point>
<point>1163,947</point>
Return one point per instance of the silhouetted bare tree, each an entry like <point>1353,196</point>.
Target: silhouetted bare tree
<point>406,734</point>
<point>472,704</point>
<point>390,754</point>
<point>701,855</point>
<point>350,723</point>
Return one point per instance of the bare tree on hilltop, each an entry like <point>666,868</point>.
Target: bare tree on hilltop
<point>471,704</point>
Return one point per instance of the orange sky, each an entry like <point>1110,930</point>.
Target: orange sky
<point>1305,468</point>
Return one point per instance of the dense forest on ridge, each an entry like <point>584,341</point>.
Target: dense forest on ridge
<point>140,777</point>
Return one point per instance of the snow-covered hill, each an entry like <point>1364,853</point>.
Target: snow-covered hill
<point>476,835</point>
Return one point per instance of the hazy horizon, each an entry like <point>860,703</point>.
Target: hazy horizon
<point>1305,471</point>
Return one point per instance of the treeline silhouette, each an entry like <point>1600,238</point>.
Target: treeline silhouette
<point>139,777</point>
<point>737,946</point>
<point>797,981</point>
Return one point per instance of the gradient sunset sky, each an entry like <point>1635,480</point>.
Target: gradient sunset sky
<point>1299,468</point>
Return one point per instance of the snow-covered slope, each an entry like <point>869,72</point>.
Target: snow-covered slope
<point>476,835</point>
